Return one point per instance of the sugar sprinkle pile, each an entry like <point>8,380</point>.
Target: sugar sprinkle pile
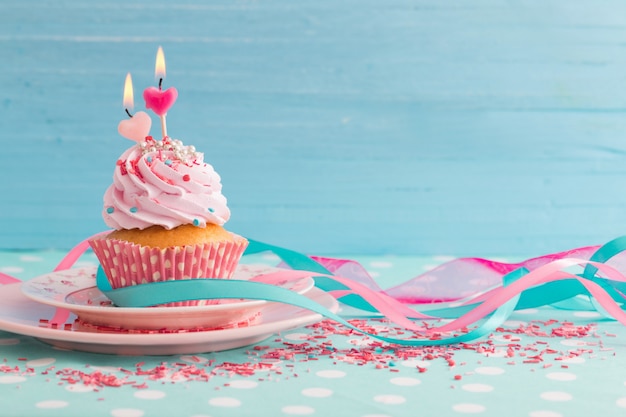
<point>287,356</point>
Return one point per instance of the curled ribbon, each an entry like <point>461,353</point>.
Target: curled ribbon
<point>494,292</point>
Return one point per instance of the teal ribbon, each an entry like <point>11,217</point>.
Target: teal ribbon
<point>197,289</point>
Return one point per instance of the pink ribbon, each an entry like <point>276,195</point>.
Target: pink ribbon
<point>468,280</point>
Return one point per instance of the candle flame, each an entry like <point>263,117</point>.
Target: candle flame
<point>129,101</point>
<point>159,67</point>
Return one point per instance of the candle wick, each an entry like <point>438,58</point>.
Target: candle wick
<point>160,82</point>
<point>128,113</point>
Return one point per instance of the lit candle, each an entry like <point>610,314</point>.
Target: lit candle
<point>128,100</point>
<point>137,127</point>
<point>157,100</point>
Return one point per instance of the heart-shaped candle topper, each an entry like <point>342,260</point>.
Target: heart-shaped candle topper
<point>136,128</point>
<point>160,101</point>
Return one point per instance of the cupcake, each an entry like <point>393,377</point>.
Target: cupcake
<point>168,213</point>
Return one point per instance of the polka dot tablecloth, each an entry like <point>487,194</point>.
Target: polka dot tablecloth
<point>541,363</point>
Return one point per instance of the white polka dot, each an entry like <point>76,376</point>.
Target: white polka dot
<point>127,412</point>
<point>527,311</point>
<point>194,359</point>
<point>30,258</point>
<point>390,399</point>
<point>35,363</point>
<point>51,404</point>
<point>11,379</point>
<point>443,258</point>
<point>296,336</point>
<point>298,410</point>
<point>9,341</point>
<point>148,394</point>
<point>497,353</point>
<point>544,413</point>
<point>587,314</point>
<point>243,384</point>
<point>361,342</point>
<point>381,264</point>
<point>374,274</point>
<point>489,370</point>
<point>330,373</point>
<point>317,392</point>
<point>497,338</point>
<point>477,388</point>
<point>11,269</point>
<point>109,369</point>
<point>573,360</point>
<point>225,402</point>
<point>556,396</point>
<point>573,342</point>
<point>405,381</point>
<point>514,323</point>
<point>415,363</point>
<point>80,388</point>
<point>468,408</point>
<point>621,402</point>
<point>561,376</point>
<point>271,257</point>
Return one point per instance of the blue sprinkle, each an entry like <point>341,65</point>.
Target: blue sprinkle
<point>168,162</point>
<point>211,209</point>
<point>392,364</point>
<point>196,222</point>
<point>133,209</point>
<point>110,210</point>
<point>149,159</point>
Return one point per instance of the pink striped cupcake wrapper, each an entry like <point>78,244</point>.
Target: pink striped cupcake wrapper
<point>127,264</point>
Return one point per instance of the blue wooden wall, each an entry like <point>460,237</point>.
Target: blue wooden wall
<point>339,126</point>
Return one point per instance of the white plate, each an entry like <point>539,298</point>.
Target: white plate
<point>75,290</point>
<point>21,315</point>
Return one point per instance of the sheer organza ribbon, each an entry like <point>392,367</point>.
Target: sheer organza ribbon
<point>467,291</point>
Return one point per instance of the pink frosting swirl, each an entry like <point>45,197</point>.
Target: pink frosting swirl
<point>164,183</point>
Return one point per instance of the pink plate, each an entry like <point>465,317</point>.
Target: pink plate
<point>75,290</point>
<point>21,315</point>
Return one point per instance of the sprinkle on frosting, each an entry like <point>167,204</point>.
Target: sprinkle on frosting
<point>164,182</point>
<point>180,152</point>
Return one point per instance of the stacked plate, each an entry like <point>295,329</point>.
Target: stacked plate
<point>96,325</point>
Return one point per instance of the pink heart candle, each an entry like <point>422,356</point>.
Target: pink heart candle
<point>136,128</point>
<point>159,101</point>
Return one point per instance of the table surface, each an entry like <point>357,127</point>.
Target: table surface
<point>526,368</point>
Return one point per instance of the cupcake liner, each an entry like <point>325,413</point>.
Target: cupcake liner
<point>127,264</point>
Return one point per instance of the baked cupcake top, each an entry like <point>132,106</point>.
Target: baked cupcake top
<point>164,183</point>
